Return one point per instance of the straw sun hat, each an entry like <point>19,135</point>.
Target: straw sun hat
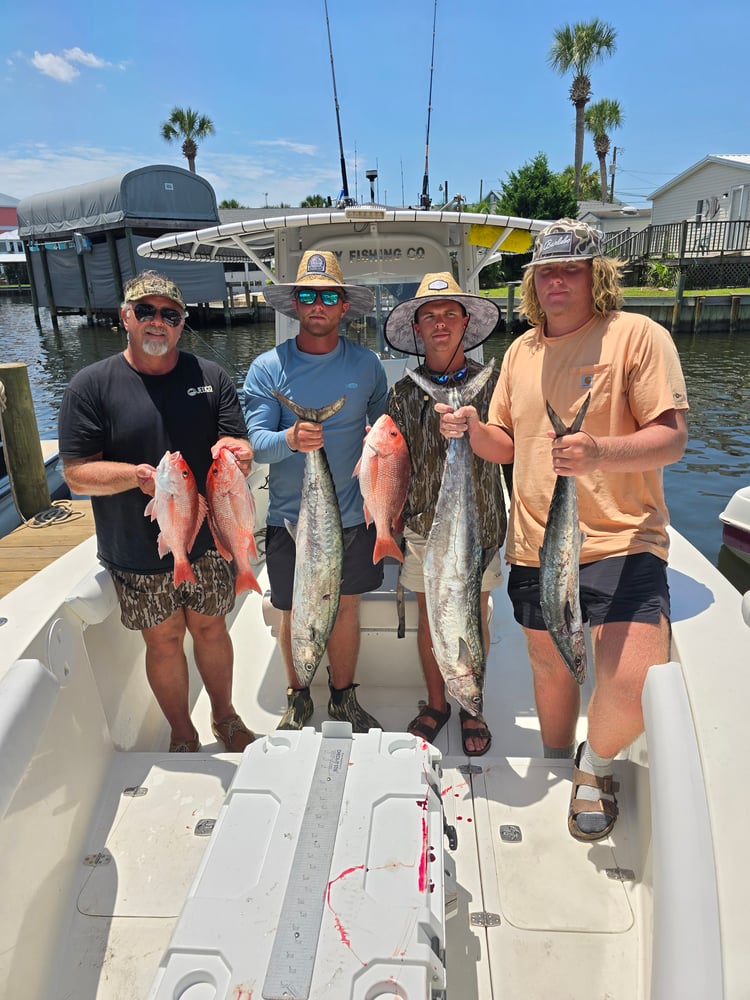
<point>484,314</point>
<point>319,269</point>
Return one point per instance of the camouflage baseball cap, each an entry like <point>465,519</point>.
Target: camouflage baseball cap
<point>152,283</point>
<point>566,239</point>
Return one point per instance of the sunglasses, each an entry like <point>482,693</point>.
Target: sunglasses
<point>308,296</point>
<point>144,312</point>
<point>447,377</point>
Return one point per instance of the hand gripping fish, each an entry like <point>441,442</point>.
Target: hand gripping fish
<point>319,538</point>
<point>558,563</point>
<point>453,560</point>
<point>180,509</point>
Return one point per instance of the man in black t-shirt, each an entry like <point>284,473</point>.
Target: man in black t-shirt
<point>117,419</point>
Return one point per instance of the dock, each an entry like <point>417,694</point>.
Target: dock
<point>26,550</point>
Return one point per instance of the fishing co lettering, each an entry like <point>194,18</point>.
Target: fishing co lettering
<point>411,253</point>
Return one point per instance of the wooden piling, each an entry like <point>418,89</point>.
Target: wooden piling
<point>734,313</point>
<point>23,451</point>
<point>697,311</point>
<point>679,293</point>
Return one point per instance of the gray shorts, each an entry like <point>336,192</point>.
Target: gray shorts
<point>412,576</point>
<point>148,599</point>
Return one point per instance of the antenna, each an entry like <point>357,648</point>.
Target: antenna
<point>425,199</point>
<point>344,182</point>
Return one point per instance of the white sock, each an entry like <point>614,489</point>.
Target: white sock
<point>592,763</point>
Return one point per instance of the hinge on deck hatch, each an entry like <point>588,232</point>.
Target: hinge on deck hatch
<point>135,791</point>
<point>100,858</point>
<point>204,827</point>
<point>482,918</point>
<point>620,874</point>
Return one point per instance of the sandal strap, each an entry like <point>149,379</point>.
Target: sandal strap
<point>606,806</point>
<point>438,717</point>
<point>605,783</point>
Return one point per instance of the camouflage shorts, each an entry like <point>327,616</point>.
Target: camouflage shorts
<point>148,599</point>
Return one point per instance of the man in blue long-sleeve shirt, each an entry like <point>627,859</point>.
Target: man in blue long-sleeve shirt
<point>315,369</point>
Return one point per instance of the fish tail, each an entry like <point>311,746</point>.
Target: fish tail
<point>183,572</point>
<point>316,416</point>
<point>246,581</point>
<point>559,425</point>
<point>387,546</point>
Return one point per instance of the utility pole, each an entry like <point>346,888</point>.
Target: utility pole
<point>612,168</point>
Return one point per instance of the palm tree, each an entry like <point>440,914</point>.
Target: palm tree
<point>590,184</point>
<point>578,47</point>
<point>600,119</point>
<point>191,128</point>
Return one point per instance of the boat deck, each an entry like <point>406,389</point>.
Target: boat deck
<point>26,550</point>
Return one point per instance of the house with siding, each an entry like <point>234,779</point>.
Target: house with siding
<point>715,189</point>
<point>8,215</point>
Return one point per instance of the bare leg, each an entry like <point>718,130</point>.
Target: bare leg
<point>167,673</point>
<point>623,653</point>
<point>214,657</point>
<point>285,648</point>
<point>556,693</point>
<point>343,645</point>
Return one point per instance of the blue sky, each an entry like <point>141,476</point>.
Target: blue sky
<point>86,86</point>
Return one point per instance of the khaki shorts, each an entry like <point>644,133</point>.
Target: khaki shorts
<point>412,576</point>
<point>148,599</point>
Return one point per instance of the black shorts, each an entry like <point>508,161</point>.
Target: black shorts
<point>359,575</point>
<point>618,589</point>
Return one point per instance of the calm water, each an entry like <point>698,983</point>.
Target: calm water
<point>716,366</point>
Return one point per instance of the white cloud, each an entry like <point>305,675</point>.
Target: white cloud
<point>62,68</point>
<point>295,147</point>
<point>85,58</point>
<point>55,66</point>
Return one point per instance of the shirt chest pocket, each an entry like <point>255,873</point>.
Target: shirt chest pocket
<point>597,380</point>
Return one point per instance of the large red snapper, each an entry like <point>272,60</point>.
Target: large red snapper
<point>384,471</point>
<point>231,516</point>
<point>179,509</point>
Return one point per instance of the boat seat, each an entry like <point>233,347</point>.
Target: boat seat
<point>28,691</point>
<point>94,598</point>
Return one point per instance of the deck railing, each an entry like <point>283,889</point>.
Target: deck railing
<point>681,240</point>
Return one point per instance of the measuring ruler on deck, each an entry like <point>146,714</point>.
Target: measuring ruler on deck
<point>295,946</point>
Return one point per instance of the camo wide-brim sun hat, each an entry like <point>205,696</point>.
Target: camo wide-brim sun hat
<point>319,269</point>
<point>564,240</point>
<point>484,314</point>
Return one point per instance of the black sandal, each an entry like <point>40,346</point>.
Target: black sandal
<point>424,732</point>
<point>480,732</point>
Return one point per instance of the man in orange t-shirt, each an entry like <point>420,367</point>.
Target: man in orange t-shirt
<point>635,425</point>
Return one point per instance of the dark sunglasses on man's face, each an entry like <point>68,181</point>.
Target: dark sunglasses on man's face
<point>308,296</point>
<point>144,312</point>
<point>447,377</point>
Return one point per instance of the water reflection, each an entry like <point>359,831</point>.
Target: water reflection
<point>716,463</point>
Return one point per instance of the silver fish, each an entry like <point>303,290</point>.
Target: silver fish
<point>319,538</point>
<point>559,557</point>
<point>453,560</point>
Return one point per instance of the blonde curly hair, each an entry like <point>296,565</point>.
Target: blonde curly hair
<point>606,293</point>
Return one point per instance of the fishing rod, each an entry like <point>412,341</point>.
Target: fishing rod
<point>425,201</point>
<point>345,185</point>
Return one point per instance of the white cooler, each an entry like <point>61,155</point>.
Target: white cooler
<point>323,878</point>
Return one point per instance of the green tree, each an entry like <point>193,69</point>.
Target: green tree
<point>535,192</point>
<point>600,119</point>
<point>231,203</point>
<point>577,47</point>
<point>190,127</point>
<point>590,188</point>
<point>313,201</point>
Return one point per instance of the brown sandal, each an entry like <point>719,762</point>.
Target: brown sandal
<point>604,806</point>
<point>480,732</point>
<point>425,732</point>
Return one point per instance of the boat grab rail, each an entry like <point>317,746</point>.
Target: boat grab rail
<point>686,956</point>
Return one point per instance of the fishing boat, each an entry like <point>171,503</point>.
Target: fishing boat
<point>323,865</point>
<point>735,519</point>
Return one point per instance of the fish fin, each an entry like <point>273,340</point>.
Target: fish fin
<point>150,510</point>
<point>414,552</point>
<point>252,548</point>
<point>200,517</point>
<point>291,528</point>
<point>559,425</point>
<point>220,546</point>
<point>368,515</point>
<point>357,469</point>
<point>163,545</point>
<point>387,547</point>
